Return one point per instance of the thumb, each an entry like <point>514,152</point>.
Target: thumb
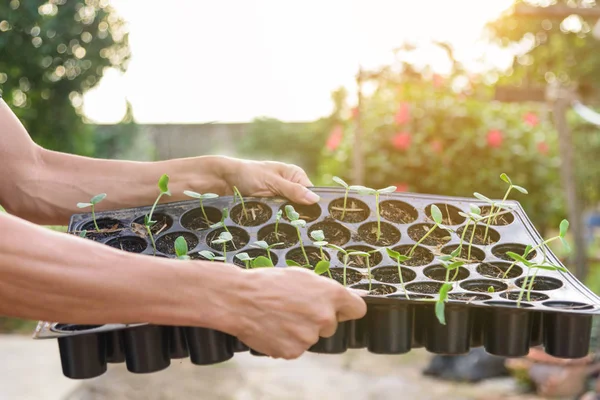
<point>295,192</point>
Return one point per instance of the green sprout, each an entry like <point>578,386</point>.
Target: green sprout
<point>440,304</point>
<point>181,248</point>
<point>236,193</point>
<point>473,216</point>
<point>376,192</point>
<point>261,244</point>
<point>83,233</point>
<point>245,258</point>
<point>163,186</point>
<point>346,256</point>
<point>221,223</point>
<point>94,200</point>
<point>262,262</point>
<point>210,256</point>
<point>277,219</point>
<point>491,289</point>
<point>341,182</point>
<point>323,265</point>
<point>367,257</point>
<point>532,266</point>
<point>436,215</point>
<point>223,238</point>
<point>297,223</point>
<point>201,198</point>
<point>399,258</point>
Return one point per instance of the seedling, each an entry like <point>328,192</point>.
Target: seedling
<point>531,266</point>
<point>163,186</point>
<point>262,262</point>
<point>223,238</point>
<point>367,257</point>
<point>94,200</point>
<point>181,248</point>
<point>261,244</point>
<point>297,223</point>
<point>83,233</point>
<point>221,223</point>
<point>245,258</point>
<point>210,256</point>
<point>277,219</point>
<point>236,193</point>
<point>436,215</point>
<point>491,289</point>
<point>473,216</point>
<point>345,260</point>
<point>319,240</point>
<point>440,304</point>
<point>201,198</point>
<point>400,258</point>
<point>376,192</point>
<point>341,182</point>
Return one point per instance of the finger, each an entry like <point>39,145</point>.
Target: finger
<point>295,192</point>
<point>295,174</point>
<point>352,307</point>
<point>329,330</point>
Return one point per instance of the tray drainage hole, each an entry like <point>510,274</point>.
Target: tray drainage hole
<point>334,233</point>
<point>240,239</point>
<point>108,227</point>
<point>398,211</point>
<point>389,234</point>
<point>313,253</point>
<point>73,327</point>
<point>352,276</point>
<point>450,214</point>
<point>421,256</point>
<point>491,237</point>
<point>163,223</point>
<point>257,213</point>
<point>500,220</point>
<point>194,220</point>
<point>568,305</point>
<point>361,262</point>
<point>476,253</point>
<point>424,287</point>
<point>377,289</point>
<point>131,244</point>
<point>255,253</point>
<point>438,273</point>
<point>438,237</point>
<point>533,296</point>
<point>511,304</point>
<point>498,269</point>
<point>286,234</point>
<point>484,286</point>
<point>166,243</point>
<point>501,250</point>
<point>390,274</point>
<point>468,297</point>
<point>308,213</point>
<point>356,210</point>
<point>541,283</point>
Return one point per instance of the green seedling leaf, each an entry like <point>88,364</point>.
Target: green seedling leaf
<point>98,198</point>
<point>483,198</point>
<point>362,189</point>
<point>278,215</point>
<point>550,267</point>
<point>338,248</point>
<point>389,189</point>
<point>83,233</point>
<point>519,258</point>
<point>181,246</point>
<point>565,244</point>
<point>455,265</point>
<point>195,195</point>
<point>217,225</point>
<point>317,235</point>
<point>392,253</point>
<point>520,189</point>
<point>320,244</point>
<point>440,303</point>
<point>322,267</point>
<point>527,250</point>
<point>225,236</point>
<point>291,213</point>
<point>563,228</point>
<point>340,181</point>
<point>359,253</point>
<point>261,244</point>
<point>147,221</point>
<point>261,262</point>
<point>475,209</point>
<point>209,255</point>
<point>436,214</point>
<point>84,205</point>
<point>455,252</point>
<point>207,196</point>
<point>505,178</point>
<point>445,258</point>
<point>299,223</point>
<point>243,257</point>
<point>163,184</point>
<point>292,263</point>
<point>491,289</point>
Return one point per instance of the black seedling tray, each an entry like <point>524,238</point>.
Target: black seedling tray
<point>558,315</point>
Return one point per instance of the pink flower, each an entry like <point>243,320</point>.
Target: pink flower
<point>494,138</point>
<point>543,148</point>
<point>335,138</point>
<point>401,187</point>
<point>436,146</point>
<point>402,140</point>
<point>403,114</point>
<point>531,119</point>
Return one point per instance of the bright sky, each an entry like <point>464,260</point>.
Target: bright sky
<point>233,60</point>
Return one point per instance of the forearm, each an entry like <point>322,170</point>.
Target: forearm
<point>58,277</point>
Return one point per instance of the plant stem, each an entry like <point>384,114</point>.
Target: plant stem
<point>276,228</point>
<point>94,218</point>
<point>487,225</point>
<point>225,251</point>
<point>204,213</point>
<point>412,250</point>
<point>401,279</point>
<point>247,264</point>
<point>462,237</point>
<point>522,289</point>
<point>269,254</point>
<point>378,216</point>
<point>369,272</point>
<point>323,258</point>
<point>151,239</point>
<point>236,191</point>
<point>471,241</point>
<point>531,285</point>
<point>345,265</point>
<point>302,246</point>
<point>345,200</point>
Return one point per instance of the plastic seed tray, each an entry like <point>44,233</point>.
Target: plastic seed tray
<point>482,309</point>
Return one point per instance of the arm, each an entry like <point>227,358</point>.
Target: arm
<point>57,277</point>
<point>44,186</point>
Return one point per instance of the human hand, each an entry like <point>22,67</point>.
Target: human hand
<point>269,178</point>
<point>283,312</point>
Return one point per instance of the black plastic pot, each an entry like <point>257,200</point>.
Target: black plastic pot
<point>477,327</point>
<point>537,329</point>
<point>115,347</point>
<point>357,333</point>
<point>390,329</point>
<point>83,356</point>
<point>237,346</point>
<point>452,338</point>
<point>146,349</point>
<point>567,335</point>
<point>177,342</point>
<point>336,344</point>
<point>508,329</point>
<point>208,346</point>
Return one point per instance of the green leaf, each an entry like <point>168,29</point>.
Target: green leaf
<point>209,255</point>
<point>483,198</point>
<point>519,258</point>
<point>392,253</point>
<point>291,213</point>
<point>261,262</point>
<point>225,236</point>
<point>84,205</point>
<point>276,244</point>
<point>181,247</point>
<point>338,248</point>
<point>207,196</point>
<point>505,178</point>
<point>362,189</point>
<point>358,253</point>
<point>439,311</point>
<point>549,267</point>
<point>292,263</point>
<point>340,182</point>
<point>163,183</point>
<point>317,235</point>
<point>565,244</point>
<point>491,289</point>
<point>527,250</point>
<point>563,228</point>
<point>278,215</point>
<point>447,257</point>
<point>83,233</point>
<point>225,213</point>
<point>217,225</point>
<point>456,252</point>
<point>455,265</point>
<point>194,195</point>
<point>243,256</point>
<point>261,244</point>
<point>98,198</point>
<point>520,189</point>
<point>322,267</point>
<point>389,189</point>
<point>436,214</point>
<point>299,223</point>
<point>218,258</point>
<point>475,209</point>
<point>320,244</point>
<point>184,257</point>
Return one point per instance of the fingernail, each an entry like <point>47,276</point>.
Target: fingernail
<point>311,197</point>
<point>360,292</point>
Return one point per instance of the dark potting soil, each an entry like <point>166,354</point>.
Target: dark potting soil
<point>108,227</point>
<point>533,296</point>
<point>500,220</point>
<point>166,244</point>
<point>334,232</point>
<point>253,253</point>
<point>240,239</point>
<point>131,244</point>
<point>421,256</point>
<point>475,256</point>
<point>424,287</point>
<point>483,286</point>
<point>163,222</point>
<point>358,261</point>
<point>286,234</point>
<point>450,214</point>
<point>491,237</point>
<point>356,210</point>
<point>352,276</point>
<point>376,289</point>
<point>308,213</point>
<point>438,273</point>
<point>390,274</point>
<point>398,211</point>
<point>436,238</point>
<point>501,250</point>
<point>256,213</point>
<point>389,234</point>
<point>498,269</point>
<point>313,253</point>
<point>541,283</point>
<point>194,220</point>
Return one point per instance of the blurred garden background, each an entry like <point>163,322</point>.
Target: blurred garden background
<point>432,96</point>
